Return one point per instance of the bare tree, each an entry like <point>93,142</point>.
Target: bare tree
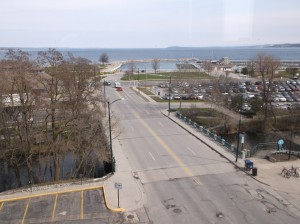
<point>69,115</point>
<point>207,65</point>
<point>131,68</point>
<point>53,86</point>
<point>22,104</point>
<point>155,64</point>
<point>266,66</point>
<point>251,67</point>
<point>104,58</point>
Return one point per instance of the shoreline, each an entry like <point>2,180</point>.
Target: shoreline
<point>115,65</point>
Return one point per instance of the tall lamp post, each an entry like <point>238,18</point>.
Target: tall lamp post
<point>169,96</point>
<point>238,134</point>
<point>139,80</point>
<point>104,84</point>
<point>110,139</point>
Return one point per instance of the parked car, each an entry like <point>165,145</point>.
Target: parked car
<point>193,97</point>
<point>185,97</point>
<point>282,98</point>
<point>168,97</point>
<point>200,97</point>
<point>176,97</point>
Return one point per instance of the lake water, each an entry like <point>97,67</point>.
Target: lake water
<point>203,53</point>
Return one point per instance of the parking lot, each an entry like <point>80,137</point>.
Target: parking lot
<point>283,94</point>
<point>66,207</point>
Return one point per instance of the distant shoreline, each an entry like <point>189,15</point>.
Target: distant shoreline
<point>286,45</point>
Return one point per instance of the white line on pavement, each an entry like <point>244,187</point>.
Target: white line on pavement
<point>160,124</point>
<point>191,150</point>
<point>151,156</point>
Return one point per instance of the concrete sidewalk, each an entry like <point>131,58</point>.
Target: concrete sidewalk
<point>131,196</point>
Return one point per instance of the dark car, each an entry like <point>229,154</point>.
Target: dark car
<point>107,83</point>
<point>185,97</point>
<point>193,97</point>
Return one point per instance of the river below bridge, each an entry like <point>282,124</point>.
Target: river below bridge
<point>43,171</point>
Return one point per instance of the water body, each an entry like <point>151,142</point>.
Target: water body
<point>203,53</point>
<point>43,171</point>
<point>147,66</point>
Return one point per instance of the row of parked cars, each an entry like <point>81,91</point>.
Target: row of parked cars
<point>286,91</point>
<point>189,94</point>
<point>282,91</point>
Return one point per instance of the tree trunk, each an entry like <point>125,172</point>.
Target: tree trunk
<point>56,166</point>
<point>17,173</point>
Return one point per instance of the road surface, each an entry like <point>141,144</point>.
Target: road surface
<point>184,180</point>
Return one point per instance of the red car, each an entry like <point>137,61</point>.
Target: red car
<point>119,89</point>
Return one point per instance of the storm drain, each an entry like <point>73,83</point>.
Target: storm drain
<point>131,217</point>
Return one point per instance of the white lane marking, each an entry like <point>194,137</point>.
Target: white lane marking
<point>132,128</point>
<point>191,150</point>
<point>151,156</point>
<point>160,124</point>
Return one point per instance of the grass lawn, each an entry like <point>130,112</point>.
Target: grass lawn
<point>284,74</point>
<point>166,76</point>
<point>145,90</point>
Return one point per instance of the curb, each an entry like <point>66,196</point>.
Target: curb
<point>107,206</point>
<point>229,160</point>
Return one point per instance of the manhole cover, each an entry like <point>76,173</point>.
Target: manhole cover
<point>219,215</point>
<point>177,210</point>
<point>130,216</point>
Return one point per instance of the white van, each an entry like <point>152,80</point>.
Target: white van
<point>117,84</point>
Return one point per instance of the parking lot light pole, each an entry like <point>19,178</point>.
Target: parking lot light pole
<point>238,134</point>
<point>110,139</point>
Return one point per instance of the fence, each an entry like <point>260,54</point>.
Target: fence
<point>228,146</point>
<point>264,146</point>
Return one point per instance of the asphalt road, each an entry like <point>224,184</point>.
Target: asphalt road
<point>184,180</point>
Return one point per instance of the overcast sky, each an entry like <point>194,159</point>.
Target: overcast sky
<point>147,23</point>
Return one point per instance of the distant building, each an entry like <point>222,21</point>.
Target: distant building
<point>224,61</point>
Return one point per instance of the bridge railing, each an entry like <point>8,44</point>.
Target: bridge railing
<point>228,146</point>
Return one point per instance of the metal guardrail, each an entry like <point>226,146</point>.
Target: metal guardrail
<point>228,146</point>
<point>264,146</point>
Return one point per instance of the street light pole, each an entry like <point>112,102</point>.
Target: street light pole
<point>104,95</point>
<point>139,80</point>
<point>169,96</point>
<point>110,138</point>
<point>238,134</point>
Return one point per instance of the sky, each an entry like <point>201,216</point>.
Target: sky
<point>148,23</point>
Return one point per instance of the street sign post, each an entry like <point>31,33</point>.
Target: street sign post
<point>280,143</point>
<point>118,186</point>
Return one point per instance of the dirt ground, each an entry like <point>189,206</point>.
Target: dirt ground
<point>284,157</point>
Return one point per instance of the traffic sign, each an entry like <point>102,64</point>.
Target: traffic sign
<point>118,185</point>
<point>280,142</point>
